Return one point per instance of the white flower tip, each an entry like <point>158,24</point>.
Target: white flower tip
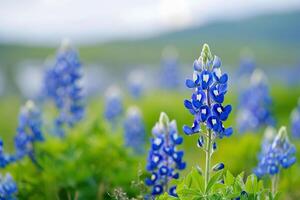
<point>258,76</point>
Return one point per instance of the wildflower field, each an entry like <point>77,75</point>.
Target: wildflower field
<point>154,100</point>
<point>206,141</point>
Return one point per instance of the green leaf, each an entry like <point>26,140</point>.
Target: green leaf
<point>251,185</point>
<point>229,178</point>
<point>216,177</point>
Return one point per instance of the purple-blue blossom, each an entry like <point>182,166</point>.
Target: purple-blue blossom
<point>134,130</point>
<point>113,108</point>
<point>8,188</point>
<point>295,121</point>
<point>280,154</point>
<point>29,131</point>
<point>164,159</point>
<point>255,104</point>
<point>61,85</point>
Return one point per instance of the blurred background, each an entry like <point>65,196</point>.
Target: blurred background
<point>130,44</point>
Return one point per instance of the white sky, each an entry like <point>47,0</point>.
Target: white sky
<point>48,21</point>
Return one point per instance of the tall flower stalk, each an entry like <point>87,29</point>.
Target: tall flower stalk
<point>29,131</point>
<point>61,84</point>
<point>255,104</point>
<point>278,155</point>
<point>164,160</point>
<point>295,121</point>
<point>206,105</point>
<point>134,130</point>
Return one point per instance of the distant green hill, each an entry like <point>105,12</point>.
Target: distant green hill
<point>274,39</point>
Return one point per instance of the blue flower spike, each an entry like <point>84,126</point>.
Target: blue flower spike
<point>113,108</point>
<point>277,155</point>
<point>8,188</point>
<point>62,86</point>
<point>134,130</point>
<point>206,104</point>
<point>255,104</point>
<point>164,160</point>
<point>29,131</point>
<point>295,121</point>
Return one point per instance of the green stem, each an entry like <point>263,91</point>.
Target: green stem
<point>275,180</point>
<point>208,158</point>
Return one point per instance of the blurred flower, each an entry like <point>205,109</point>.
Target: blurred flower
<point>254,104</point>
<point>280,155</point>
<point>136,83</point>
<point>8,188</point>
<point>206,103</point>
<point>170,74</point>
<point>5,159</point>
<point>134,129</point>
<point>29,131</point>
<point>62,86</point>
<point>164,159</point>
<point>247,66</point>
<point>295,121</point>
<point>113,105</point>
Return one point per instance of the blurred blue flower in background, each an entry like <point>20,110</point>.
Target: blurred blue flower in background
<point>8,188</point>
<point>164,159</point>
<point>62,85</point>
<point>295,121</point>
<point>134,130</point>
<point>29,131</point>
<point>136,84</point>
<point>170,72</point>
<point>279,155</point>
<point>113,108</point>
<point>255,104</point>
<point>5,159</point>
<point>246,67</point>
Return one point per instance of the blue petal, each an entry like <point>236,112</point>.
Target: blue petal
<point>190,84</point>
<point>216,62</point>
<point>188,104</point>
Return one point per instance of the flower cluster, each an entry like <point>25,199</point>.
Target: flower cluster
<point>136,83</point>
<point>254,104</point>
<point>62,86</point>
<point>8,187</point>
<point>134,130</point>
<point>279,155</point>
<point>164,159</point>
<point>5,159</point>
<point>113,105</point>
<point>210,87</point>
<point>29,131</point>
<point>295,121</point>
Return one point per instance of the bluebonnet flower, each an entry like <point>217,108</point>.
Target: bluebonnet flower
<point>295,121</point>
<point>134,130</point>
<point>170,74</point>
<point>8,188</point>
<point>279,155</point>
<point>246,67</point>
<point>29,131</point>
<point>164,160</point>
<point>62,85</point>
<point>136,83</point>
<point>206,104</point>
<point>5,158</point>
<point>255,104</point>
<point>113,105</point>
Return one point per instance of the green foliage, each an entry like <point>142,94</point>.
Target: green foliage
<point>88,164</point>
<point>220,186</point>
